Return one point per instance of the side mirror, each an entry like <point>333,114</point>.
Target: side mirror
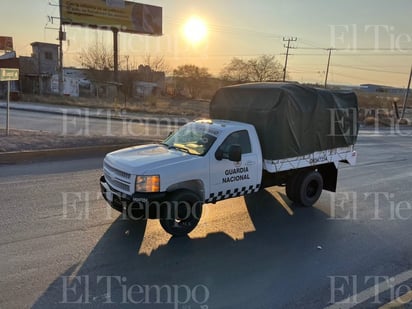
<point>219,154</point>
<point>235,153</point>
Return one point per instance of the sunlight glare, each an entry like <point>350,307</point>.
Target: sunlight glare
<point>195,30</point>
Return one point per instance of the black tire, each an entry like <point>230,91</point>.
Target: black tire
<point>291,187</point>
<point>309,186</point>
<point>183,213</point>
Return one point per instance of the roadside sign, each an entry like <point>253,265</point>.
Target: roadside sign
<point>9,74</point>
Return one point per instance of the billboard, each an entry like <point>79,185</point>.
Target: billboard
<point>6,43</point>
<point>124,15</point>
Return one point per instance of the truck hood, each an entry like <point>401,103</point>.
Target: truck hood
<point>141,159</point>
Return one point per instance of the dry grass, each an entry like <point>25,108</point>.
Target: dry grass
<point>378,109</point>
<point>23,140</point>
<point>152,105</point>
<point>369,121</point>
<point>380,100</point>
<point>404,121</point>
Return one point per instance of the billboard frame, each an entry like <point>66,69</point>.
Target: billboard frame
<point>134,17</point>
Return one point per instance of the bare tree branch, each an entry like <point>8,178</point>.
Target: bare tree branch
<point>191,78</point>
<point>260,69</point>
<point>99,59</point>
<point>157,63</point>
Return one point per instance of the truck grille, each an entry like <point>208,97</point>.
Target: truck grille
<point>116,178</point>
<point>116,171</point>
<point>125,187</point>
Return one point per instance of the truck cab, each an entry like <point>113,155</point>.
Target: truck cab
<point>204,161</point>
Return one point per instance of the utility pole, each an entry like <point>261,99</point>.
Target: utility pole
<point>62,37</point>
<point>327,68</point>
<point>127,62</point>
<point>287,53</point>
<point>406,94</point>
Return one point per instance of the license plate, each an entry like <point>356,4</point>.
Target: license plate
<point>109,196</point>
<point>108,193</point>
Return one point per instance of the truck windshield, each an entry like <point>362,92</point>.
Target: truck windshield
<point>192,138</point>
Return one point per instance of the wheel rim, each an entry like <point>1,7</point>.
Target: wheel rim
<point>184,216</point>
<point>312,188</point>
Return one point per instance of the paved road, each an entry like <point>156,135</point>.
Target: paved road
<point>61,246</point>
<point>80,123</point>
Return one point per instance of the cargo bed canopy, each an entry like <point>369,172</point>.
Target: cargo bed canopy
<point>291,120</point>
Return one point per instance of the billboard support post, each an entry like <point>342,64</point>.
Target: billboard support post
<point>116,53</point>
<point>8,108</point>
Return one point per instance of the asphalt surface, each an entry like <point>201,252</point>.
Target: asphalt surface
<point>62,247</point>
<point>83,122</point>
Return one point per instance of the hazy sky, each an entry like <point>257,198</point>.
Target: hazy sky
<point>373,37</point>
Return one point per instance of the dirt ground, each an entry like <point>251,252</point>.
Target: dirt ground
<point>22,140</point>
<point>154,106</point>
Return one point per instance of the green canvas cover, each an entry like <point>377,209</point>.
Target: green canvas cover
<point>291,120</point>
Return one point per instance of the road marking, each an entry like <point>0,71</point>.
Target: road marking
<point>373,291</point>
<point>283,203</point>
<point>399,302</point>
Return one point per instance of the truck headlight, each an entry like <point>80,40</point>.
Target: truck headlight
<point>148,183</point>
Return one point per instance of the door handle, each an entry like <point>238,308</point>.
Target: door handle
<point>250,163</point>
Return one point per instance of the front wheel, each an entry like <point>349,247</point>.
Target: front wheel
<point>183,213</point>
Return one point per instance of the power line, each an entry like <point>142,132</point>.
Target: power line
<point>357,55</point>
<point>227,29</point>
<point>368,69</point>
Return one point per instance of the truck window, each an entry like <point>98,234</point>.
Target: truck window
<point>192,138</point>
<point>236,138</point>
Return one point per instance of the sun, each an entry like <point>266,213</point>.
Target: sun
<point>195,30</point>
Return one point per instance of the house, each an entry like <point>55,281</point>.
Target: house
<point>373,88</point>
<point>75,83</point>
<point>39,75</point>
<point>36,71</point>
<point>147,82</point>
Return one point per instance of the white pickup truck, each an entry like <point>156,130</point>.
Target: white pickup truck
<point>210,160</point>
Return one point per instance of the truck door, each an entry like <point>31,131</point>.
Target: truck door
<point>228,178</point>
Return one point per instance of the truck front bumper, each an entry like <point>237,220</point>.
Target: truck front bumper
<point>139,205</point>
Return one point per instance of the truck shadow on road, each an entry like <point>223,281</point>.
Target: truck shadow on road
<point>214,271</point>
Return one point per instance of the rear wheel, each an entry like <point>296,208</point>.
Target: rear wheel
<point>308,188</point>
<point>183,213</point>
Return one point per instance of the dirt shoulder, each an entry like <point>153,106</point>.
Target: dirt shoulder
<point>24,140</point>
<point>154,106</point>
